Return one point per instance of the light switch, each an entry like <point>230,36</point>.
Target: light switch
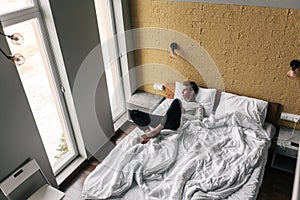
<point>158,86</point>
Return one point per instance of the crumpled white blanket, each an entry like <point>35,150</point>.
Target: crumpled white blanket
<point>220,157</point>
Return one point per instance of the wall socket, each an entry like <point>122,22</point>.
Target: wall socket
<point>290,117</point>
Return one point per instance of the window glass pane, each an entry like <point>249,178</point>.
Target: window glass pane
<point>41,92</point>
<point>112,67</point>
<point>7,6</point>
<point>114,84</point>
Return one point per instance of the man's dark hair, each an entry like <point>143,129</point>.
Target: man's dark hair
<point>193,85</point>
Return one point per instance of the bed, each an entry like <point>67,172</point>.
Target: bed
<point>222,156</point>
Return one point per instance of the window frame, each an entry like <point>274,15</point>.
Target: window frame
<point>38,11</point>
<point>119,46</point>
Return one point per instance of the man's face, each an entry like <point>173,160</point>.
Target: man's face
<point>187,93</point>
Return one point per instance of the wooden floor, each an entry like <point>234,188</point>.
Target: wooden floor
<point>74,187</point>
<point>276,185</point>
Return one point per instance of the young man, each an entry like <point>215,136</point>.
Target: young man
<point>189,91</point>
<point>171,120</point>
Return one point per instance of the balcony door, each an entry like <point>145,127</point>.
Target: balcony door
<point>40,79</point>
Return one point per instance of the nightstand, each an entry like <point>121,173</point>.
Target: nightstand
<point>144,101</point>
<point>285,154</point>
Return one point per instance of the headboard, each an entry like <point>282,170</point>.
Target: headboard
<point>170,89</point>
<point>273,112</point>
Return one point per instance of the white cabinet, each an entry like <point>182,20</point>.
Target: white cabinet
<point>286,150</point>
<point>144,101</point>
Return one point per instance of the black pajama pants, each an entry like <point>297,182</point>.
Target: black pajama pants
<point>171,120</point>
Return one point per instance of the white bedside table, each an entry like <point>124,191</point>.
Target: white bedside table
<point>285,155</point>
<point>144,101</point>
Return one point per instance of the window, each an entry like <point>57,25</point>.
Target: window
<point>41,81</point>
<point>111,30</point>
<point>14,5</point>
<point>110,55</point>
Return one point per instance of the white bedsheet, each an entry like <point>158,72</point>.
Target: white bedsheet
<point>212,159</point>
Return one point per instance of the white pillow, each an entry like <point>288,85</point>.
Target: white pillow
<point>178,90</point>
<point>251,107</point>
<point>206,97</point>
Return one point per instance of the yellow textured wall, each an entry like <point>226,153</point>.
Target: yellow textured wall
<point>251,46</point>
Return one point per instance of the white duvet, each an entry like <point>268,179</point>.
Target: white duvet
<point>209,159</point>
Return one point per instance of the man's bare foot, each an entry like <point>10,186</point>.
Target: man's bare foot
<point>144,140</point>
<point>148,134</point>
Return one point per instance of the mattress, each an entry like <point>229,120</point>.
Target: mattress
<point>132,183</point>
<point>248,192</point>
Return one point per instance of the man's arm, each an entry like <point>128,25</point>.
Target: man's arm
<point>198,114</point>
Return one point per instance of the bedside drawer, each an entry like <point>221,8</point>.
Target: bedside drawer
<point>284,163</point>
<point>287,151</point>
